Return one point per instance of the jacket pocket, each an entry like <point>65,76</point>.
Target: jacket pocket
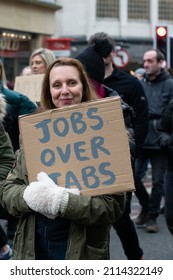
<point>93,253</point>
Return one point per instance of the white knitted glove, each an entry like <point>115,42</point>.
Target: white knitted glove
<point>45,197</point>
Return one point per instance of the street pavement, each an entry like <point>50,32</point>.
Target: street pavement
<point>156,246</point>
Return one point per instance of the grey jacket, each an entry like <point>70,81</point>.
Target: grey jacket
<point>91,218</point>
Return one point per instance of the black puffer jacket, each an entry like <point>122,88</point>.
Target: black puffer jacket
<point>159,92</point>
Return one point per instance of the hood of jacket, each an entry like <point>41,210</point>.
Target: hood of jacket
<point>3,106</point>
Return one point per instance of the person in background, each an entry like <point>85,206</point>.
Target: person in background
<point>95,68</point>
<point>165,140</point>
<point>127,86</point>
<point>6,162</point>
<point>140,73</point>
<point>58,222</point>
<point>158,86</point>
<point>40,60</point>
<point>17,104</point>
<point>132,93</point>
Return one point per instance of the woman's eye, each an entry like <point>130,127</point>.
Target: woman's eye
<point>57,85</point>
<point>72,83</point>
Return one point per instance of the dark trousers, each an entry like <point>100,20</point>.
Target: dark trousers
<point>169,197</point>
<point>3,237</point>
<point>141,191</point>
<point>12,222</point>
<point>50,250</point>
<point>157,159</point>
<point>127,233</point>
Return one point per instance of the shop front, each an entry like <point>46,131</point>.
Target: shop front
<point>15,49</point>
<point>23,28</point>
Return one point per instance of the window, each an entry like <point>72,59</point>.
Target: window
<point>107,9</point>
<point>139,9</point>
<point>165,10</point>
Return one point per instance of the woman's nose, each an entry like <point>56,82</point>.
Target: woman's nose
<point>64,89</point>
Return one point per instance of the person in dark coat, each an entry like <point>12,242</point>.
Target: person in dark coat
<point>158,86</point>
<point>165,141</point>
<point>132,93</point>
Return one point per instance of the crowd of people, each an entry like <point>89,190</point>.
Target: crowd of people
<point>53,222</point>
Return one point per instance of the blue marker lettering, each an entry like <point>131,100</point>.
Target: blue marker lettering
<point>92,117</point>
<point>79,126</point>
<point>64,155</point>
<point>65,128</point>
<point>78,151</point>
<point>71,180</point>
<point>47,157</point>
<point>89,172</point>
<point>97,144</point>
<point>105,172</point>
<point>44,126</point>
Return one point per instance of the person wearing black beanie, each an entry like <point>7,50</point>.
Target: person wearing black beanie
<point>94,66</point>
<point>93,63</point>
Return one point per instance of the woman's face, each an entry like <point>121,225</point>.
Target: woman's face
<point>38,65</point>
<point>65,86</point>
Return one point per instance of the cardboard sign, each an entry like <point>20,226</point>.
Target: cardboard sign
<point>84,146</point>
<point>29,86</point>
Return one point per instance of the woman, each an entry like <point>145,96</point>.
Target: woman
<point>78,226</point>
<point>165,140</point>
<point>40,60</point>
<point>6,163</point>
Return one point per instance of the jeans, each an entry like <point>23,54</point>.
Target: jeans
<point>157,159</point>
<point>50,250</point>
<point>169,198</point>
<point>127,233</point>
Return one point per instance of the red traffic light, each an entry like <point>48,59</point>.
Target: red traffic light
<point>161,31</point>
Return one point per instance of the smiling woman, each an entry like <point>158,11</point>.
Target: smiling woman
<point>64,223</point>
<point>66,83</point>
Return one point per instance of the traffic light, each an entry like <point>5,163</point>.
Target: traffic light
<point>161,40</point>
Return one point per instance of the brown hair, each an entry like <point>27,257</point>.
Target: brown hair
<point>88,91</point>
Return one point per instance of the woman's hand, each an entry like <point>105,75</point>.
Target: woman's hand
<point>47,198</point>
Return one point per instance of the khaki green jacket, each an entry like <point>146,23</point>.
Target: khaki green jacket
<point>90,217</point>
<point>6,151</point>
<point>6,154</point>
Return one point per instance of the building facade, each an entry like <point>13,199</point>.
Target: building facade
<point>65,26</point>
<point>24,25</point>
<point>130,22</point>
